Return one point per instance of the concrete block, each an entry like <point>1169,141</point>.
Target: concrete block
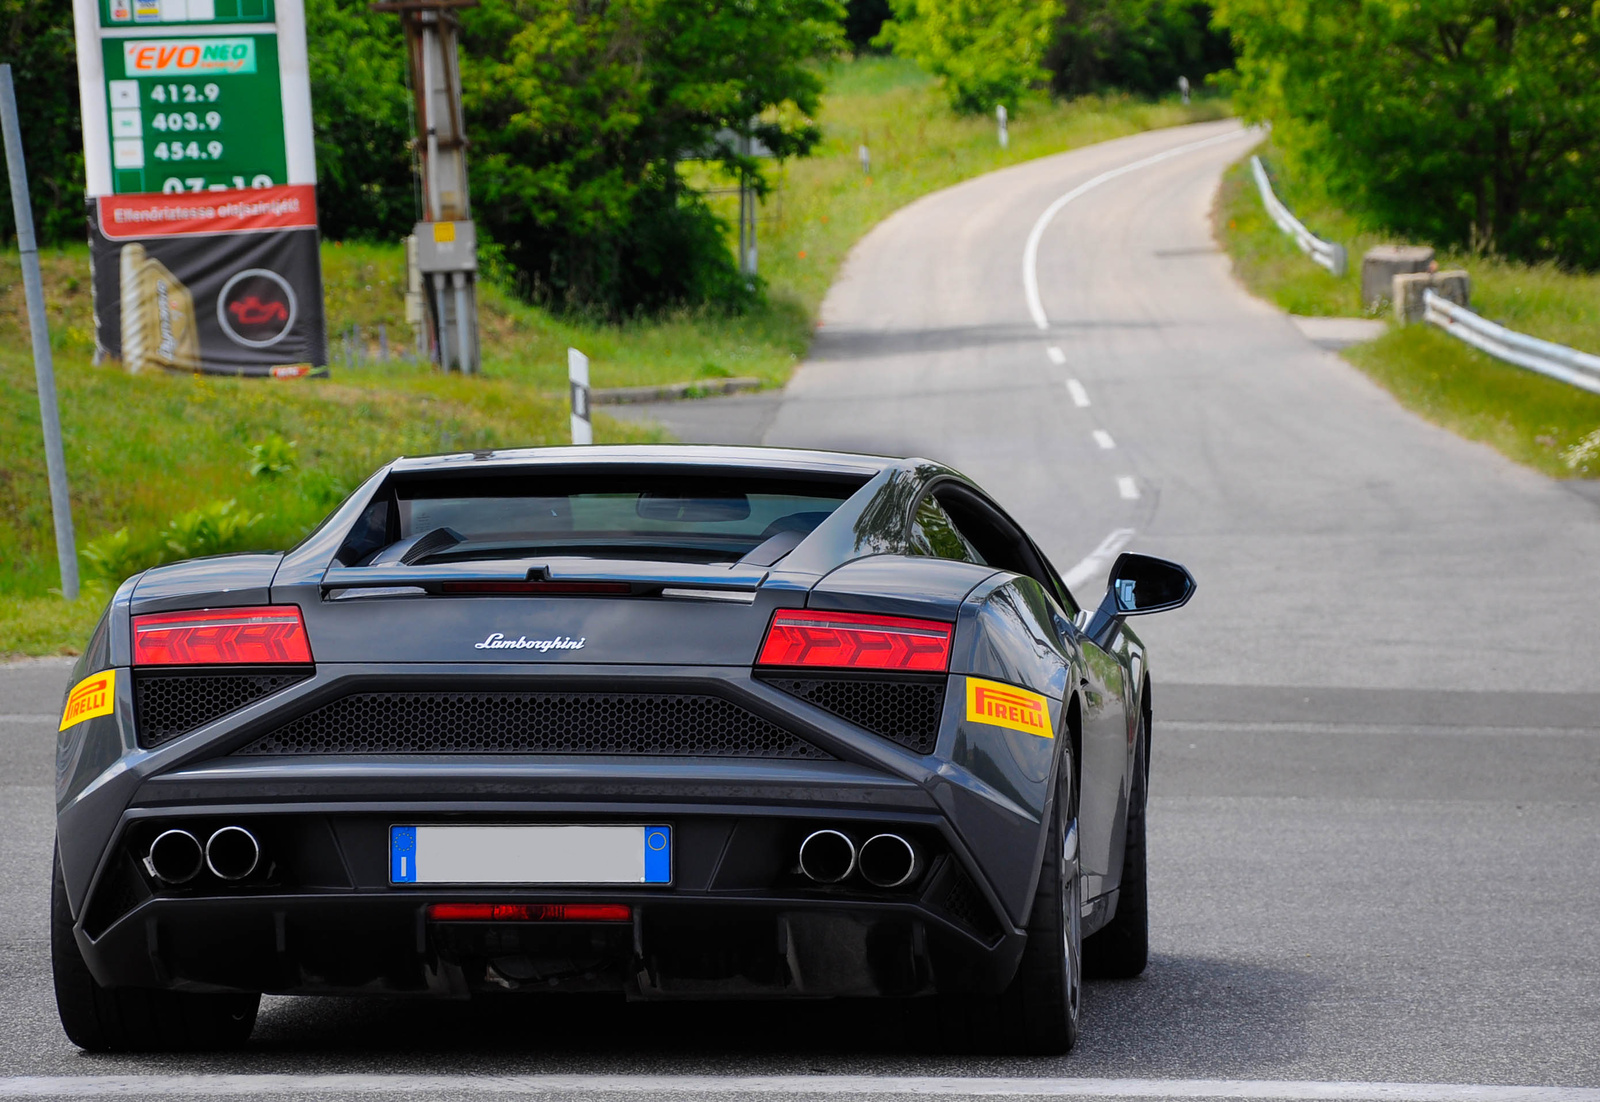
<point>1454,285</point>
<point>1407,292</point>
<point>1382,263</point>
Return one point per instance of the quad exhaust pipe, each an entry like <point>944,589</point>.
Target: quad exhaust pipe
<point>176,856</point>
<point>233,853</point>
<point>884,860</point>
<point>827,856</point>
<point>888,861</point>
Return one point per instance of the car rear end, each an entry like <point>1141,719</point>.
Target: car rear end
<point>586,724</point>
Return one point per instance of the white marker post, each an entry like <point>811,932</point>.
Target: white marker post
<point>578,382</point>
<point>1000,117</point>
<point>864,155</point>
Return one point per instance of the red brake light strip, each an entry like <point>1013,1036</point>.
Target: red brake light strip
<point>222,636</point>
<point>530,912</point>
<point>856,640</point>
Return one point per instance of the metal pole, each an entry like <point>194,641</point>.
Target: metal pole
<point>43,363</point>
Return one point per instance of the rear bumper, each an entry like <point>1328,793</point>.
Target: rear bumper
<point>737,920</point>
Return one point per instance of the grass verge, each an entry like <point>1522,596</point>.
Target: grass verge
<point>142,450</point>
<point>1527,417</point>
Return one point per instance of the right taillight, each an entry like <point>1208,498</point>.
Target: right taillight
<point>856,640</point>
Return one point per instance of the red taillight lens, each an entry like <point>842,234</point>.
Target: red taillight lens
<point>221,636</point>
<point>530,912</point>
<point>855,640</point>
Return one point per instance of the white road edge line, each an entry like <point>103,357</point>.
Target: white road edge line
<point>1056,355</point>
<point>1098,559</point>
<point>1103,438</point>
<point>1128,488</point>
<point>1080,397</point>
<point>221,1086</point>
<point>1030,252</point>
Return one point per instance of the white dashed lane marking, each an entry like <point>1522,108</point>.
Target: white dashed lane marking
<point>1080,397</point>
<point>1056,355</point>
<point>1128,488</point>
<point>1103,438</point>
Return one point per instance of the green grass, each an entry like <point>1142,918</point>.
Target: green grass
<point>143,449</point>
<point>1527,417</point>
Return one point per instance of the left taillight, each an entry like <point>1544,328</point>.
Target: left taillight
<point>855,640</point>
<point>272,634</point>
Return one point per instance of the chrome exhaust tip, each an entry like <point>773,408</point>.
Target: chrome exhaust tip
<point>888,861</point>
<point>233,853</point>
<point>827,856</point>
<point>175,857</point>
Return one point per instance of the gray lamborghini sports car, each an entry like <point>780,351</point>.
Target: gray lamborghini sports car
<point>657,721</point>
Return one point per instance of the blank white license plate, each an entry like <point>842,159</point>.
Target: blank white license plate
<point>611,854</point>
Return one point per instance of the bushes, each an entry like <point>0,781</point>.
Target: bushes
<point>580,113</point>
<point>987,52</point>
<point>1474,124</point>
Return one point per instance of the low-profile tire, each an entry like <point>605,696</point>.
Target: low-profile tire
<point>1037,1013</point>
<point>130,1019</point>
<point>1120,949</point>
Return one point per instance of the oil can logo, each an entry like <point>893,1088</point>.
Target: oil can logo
<point>256,308</point>
<point>1007,706</point>
<point>93,696</point>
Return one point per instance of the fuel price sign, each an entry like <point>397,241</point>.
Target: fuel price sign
<point>194,114</point>
<point>201,175</point>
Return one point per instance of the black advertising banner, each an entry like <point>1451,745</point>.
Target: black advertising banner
<point>228,283</point>
<point>202,183</point>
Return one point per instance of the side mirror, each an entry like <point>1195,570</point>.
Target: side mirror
<point>1139,585</point>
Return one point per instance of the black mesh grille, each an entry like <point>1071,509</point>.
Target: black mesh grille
<point>962,901</point>
<point>907,712</point>
<point>169,704</point>
<point>534,723</point>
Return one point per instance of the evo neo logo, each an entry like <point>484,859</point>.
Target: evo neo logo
<point>497,641</point>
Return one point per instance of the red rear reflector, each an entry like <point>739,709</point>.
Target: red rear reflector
<point>221,636</point>
<point>618,588</point>
<point>855,640</point>
<point>530,912</point>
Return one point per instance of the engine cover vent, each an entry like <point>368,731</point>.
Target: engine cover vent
<point>903,711</point>
<point>171,703</point>
<point>678,725</point>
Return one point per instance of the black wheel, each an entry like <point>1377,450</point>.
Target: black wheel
<point>130,1019</point>
<point>1120,949</point>
<point>1038,1013</point>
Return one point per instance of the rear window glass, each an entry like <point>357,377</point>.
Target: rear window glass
<point>679,517</point>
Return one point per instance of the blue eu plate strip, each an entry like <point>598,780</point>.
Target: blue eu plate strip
<point>403,855</point>
<point>658,855</point>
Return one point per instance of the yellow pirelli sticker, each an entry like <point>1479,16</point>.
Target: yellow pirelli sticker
<point>93,696</point>
<point>1008,706</point>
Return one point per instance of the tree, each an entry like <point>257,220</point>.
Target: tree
<point>36,39</point>
<point>581,110</point>
<point>1473,122</point>
<point>986,52</point>
<point>361,112</point>
<point>1136,45</point>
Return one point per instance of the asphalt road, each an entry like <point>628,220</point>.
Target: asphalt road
<point>1375,808</point>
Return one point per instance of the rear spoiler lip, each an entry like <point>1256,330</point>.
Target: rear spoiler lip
<point>641,575</point>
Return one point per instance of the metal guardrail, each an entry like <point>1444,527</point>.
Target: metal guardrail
<point>1580,369</point>
<point>1325,253</point>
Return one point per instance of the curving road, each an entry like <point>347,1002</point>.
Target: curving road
<point>1376,774</point>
